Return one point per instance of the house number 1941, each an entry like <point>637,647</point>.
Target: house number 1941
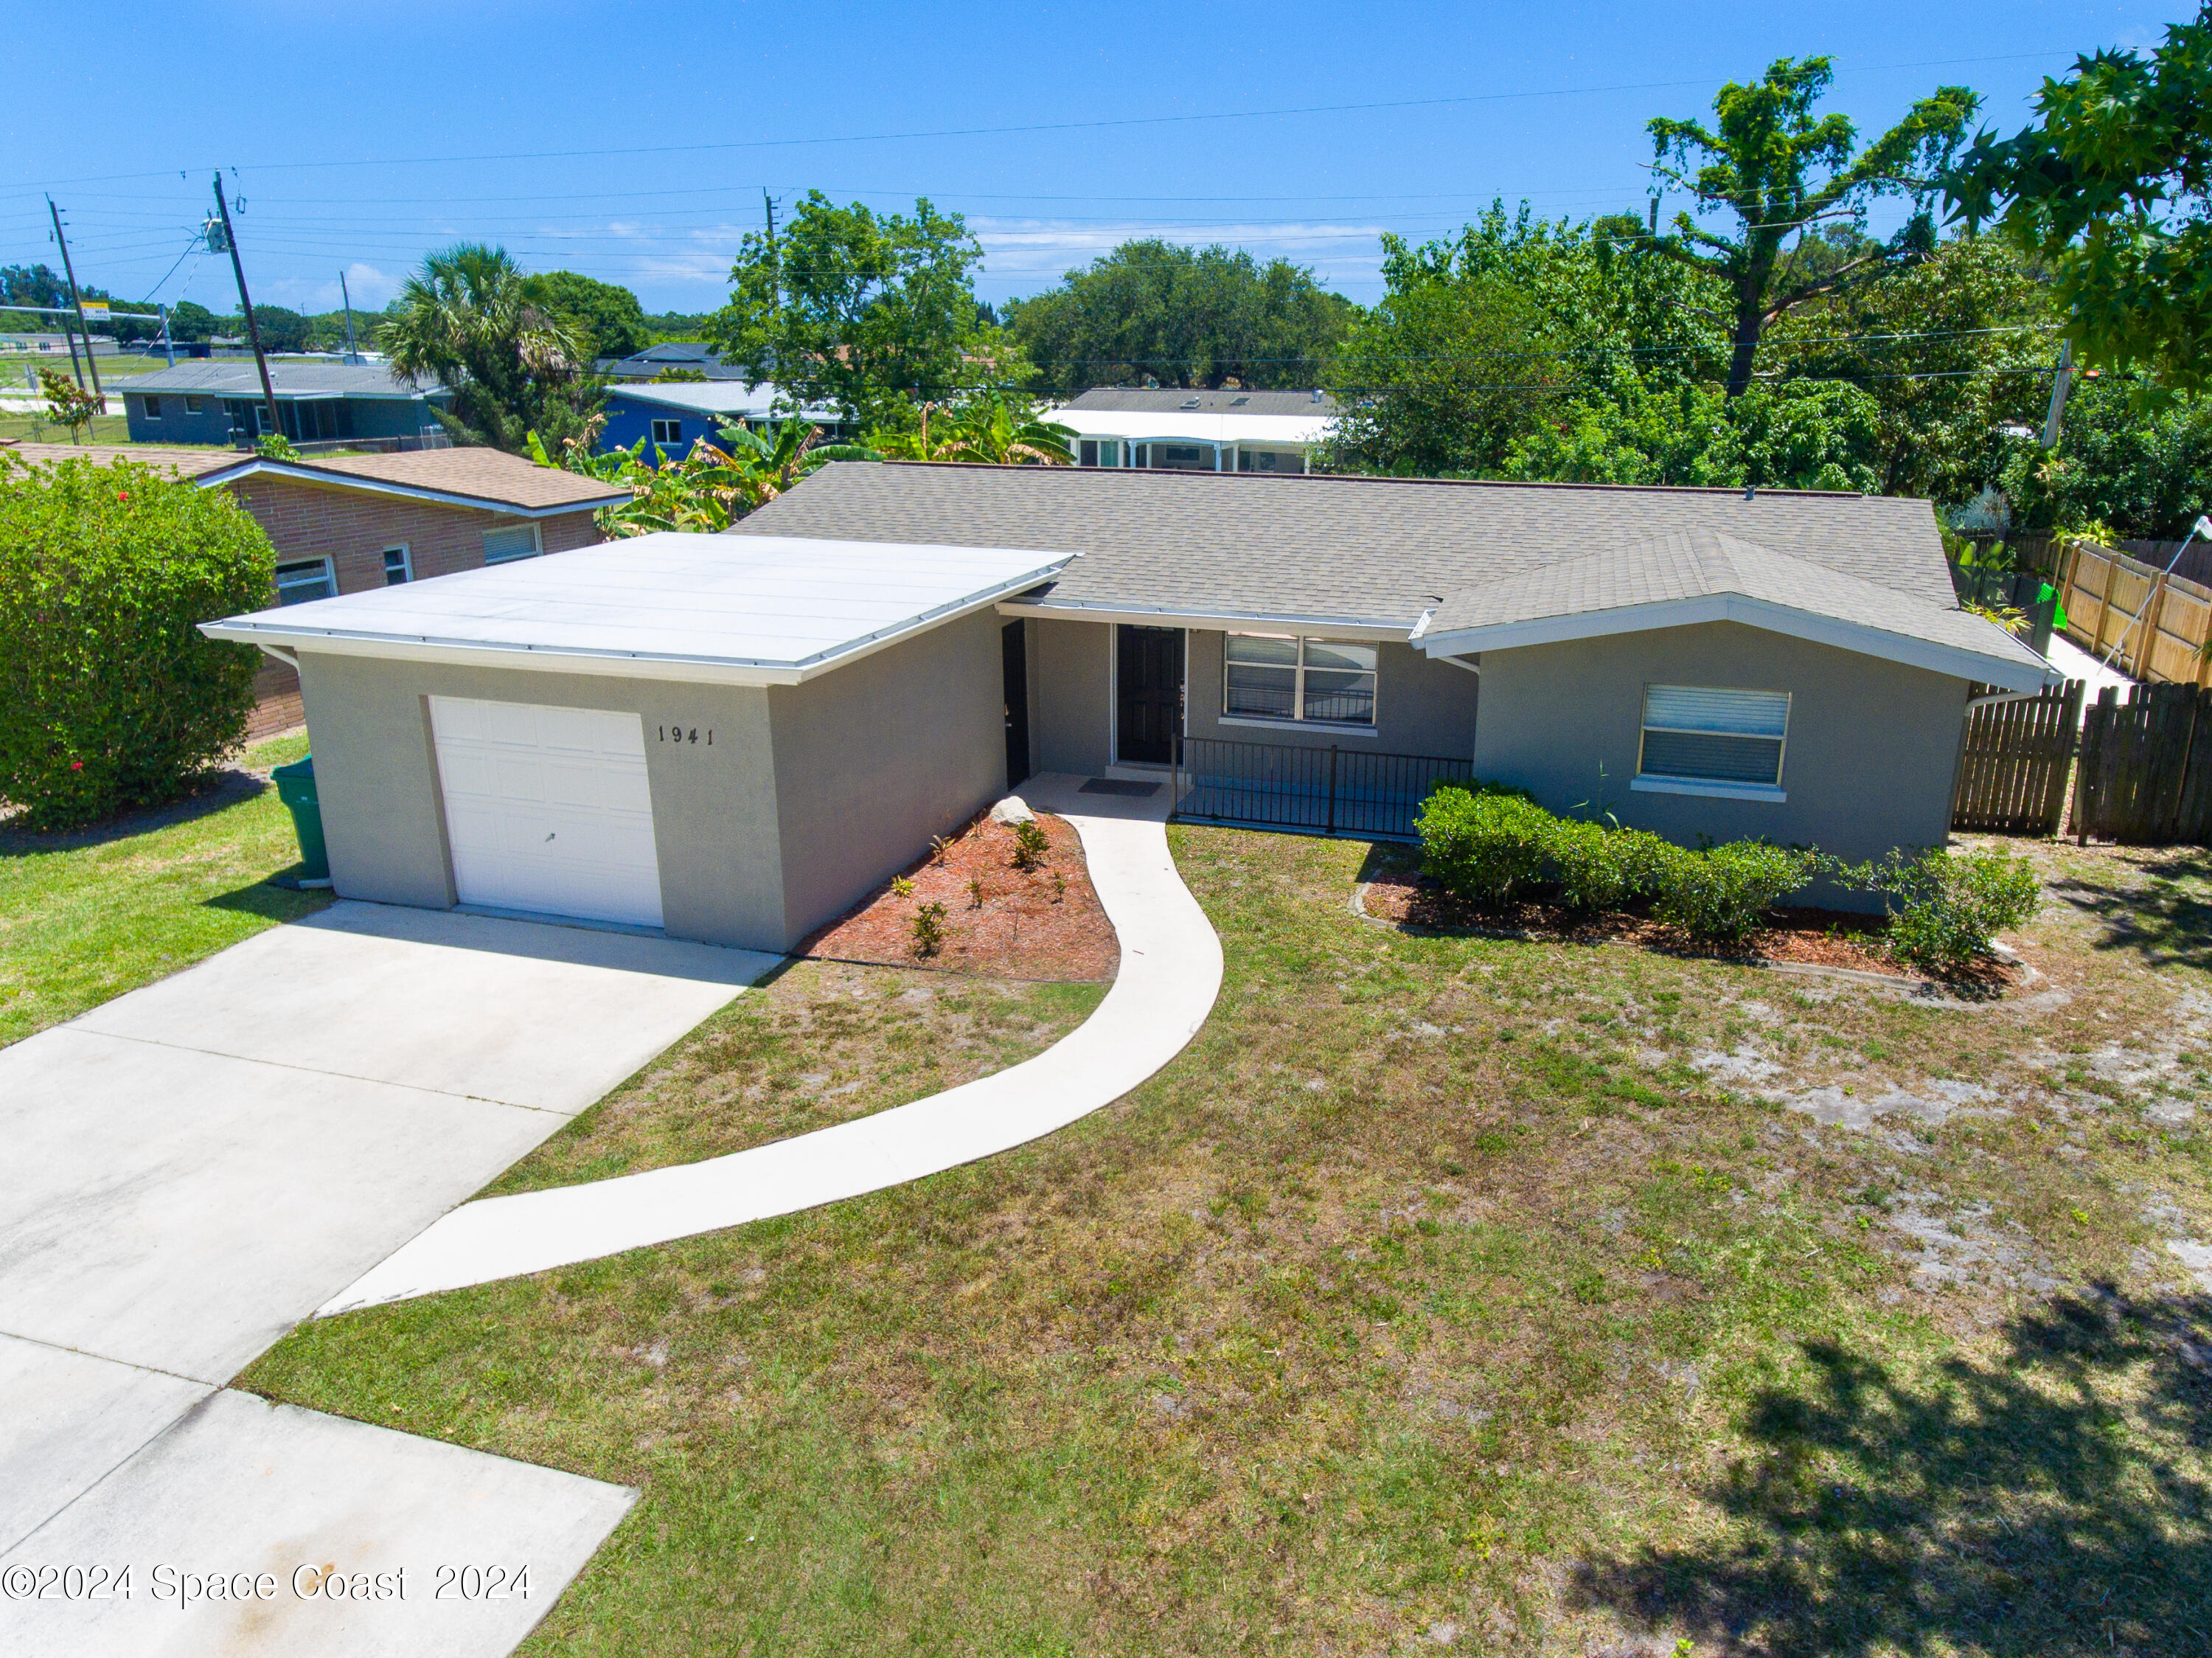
<point>687,734</point>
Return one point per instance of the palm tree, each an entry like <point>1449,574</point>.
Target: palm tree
<point>513,367</point>
<point>707,488</point>
<point>990,430</point>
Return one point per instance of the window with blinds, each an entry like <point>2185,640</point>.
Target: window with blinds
<point>513,541</point>
<point>1702,735</point>
<point>1269,677</point>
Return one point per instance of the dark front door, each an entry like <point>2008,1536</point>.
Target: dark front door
<point>1013,650</point>
<point>1148,682</point>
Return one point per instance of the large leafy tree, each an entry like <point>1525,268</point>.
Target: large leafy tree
<point>872,313</point>
<point>1954,351</point>
<point>1785,175</point>
<point>2144,471</point>
<point>605,315</point>
<point>514,366</point>
<point>2108,183</point>
<point>1183,316</point>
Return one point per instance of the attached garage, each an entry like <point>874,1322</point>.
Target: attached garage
<point>731,739</point>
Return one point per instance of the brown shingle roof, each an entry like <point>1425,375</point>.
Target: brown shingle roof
<point>490,476</point>
<point>180,460</point>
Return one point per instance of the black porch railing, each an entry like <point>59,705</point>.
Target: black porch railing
<point>1330,791</point>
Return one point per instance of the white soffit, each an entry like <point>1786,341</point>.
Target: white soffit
<point>1198,425</point>
<point>740,610</point>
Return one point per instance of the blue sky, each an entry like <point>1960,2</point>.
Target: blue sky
<point>633,143</point>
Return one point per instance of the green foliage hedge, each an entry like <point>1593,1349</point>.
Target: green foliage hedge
<point>1945,910</point>
<point>1488,844</point>
<point>110,696</point>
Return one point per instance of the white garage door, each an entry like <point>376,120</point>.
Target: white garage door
<point>546,809</point>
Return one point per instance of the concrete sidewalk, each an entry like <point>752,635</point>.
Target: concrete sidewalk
<point>196,1166</point>
<point>1170,973</point>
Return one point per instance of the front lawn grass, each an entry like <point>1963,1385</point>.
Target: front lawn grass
<point>86,918</point>
<point>1463,1292</point>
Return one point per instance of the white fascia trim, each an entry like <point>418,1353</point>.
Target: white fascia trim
<point>412,491</point>
<point>1710,790</point>
<point>606,664</point>
<point>1318,627</point>
<point>1856,636</point>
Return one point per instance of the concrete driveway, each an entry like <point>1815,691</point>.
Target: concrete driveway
<point>194,1167</point>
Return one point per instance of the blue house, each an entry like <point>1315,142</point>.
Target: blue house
<point>671,416</point>
<point>318,401</point>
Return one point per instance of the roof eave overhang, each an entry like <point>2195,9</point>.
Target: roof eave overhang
<point>1957,660</point>
<point>232,474</point>
<point>604,664</point>
<point>1229,621</point>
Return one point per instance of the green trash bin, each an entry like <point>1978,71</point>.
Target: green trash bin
<point>295,787</point>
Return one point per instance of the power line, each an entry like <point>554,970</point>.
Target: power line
<point>1109,123</point>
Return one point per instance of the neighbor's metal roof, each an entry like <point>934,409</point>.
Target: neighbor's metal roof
<point>1201,425</point>
<point>1168,400</point>
<point>758,610</point>
<point>290,376</point>
<point>719,397</point>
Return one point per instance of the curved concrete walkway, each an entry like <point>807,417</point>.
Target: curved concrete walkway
<point>1169,974</point>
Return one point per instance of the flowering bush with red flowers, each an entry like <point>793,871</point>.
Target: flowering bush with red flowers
<point>110,696</point>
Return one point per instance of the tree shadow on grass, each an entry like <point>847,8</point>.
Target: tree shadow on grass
<point>2053,1502</point>
<point>2163,909</point>
<point>222,790</point>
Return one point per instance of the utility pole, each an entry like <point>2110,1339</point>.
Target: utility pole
<point>351,355</point>
<point>775,266</point>
<point>2062,382</point>
<point>252,329</point>
<point>169,346</point>
<point>78,306</point>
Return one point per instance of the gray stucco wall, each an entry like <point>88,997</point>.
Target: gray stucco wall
<point>872,759</point>
<point>1868,764</point>
<point>1422,706</point>
<point>716,827</point>
<point>809,795</point>
<point>1071,696</point>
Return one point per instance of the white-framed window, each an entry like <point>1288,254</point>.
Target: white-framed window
<point>398,566</point>
<point>1710,735</point>
<point>1100,452</point>
<point>1275,676</point>
<point>667,431</point>
<point>510,542</point>
<point>299,580</point>
<point>153,407</point>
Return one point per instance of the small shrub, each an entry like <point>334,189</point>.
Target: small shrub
<point>1483,848</point>
<point>975,892</point>
<point>939,846</point>
<point>1720,894</point>
<point>1947,910</point>
<point>1601,868</point>
<point>1031,844</point>
<point>110,696</point>
<point>929,929</point>
<point>902,888</point>
<point>1059,886</point>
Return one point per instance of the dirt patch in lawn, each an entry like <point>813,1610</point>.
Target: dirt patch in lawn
<point>1844,939</point>
<point>999,921</point>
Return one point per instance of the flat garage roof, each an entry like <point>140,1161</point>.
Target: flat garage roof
<point>735,610</point>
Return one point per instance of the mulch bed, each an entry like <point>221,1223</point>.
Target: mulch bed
<point>1028,926</point>
<point>1819,938</point>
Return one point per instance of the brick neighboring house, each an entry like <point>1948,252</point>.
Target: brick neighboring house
<point>342,523</point>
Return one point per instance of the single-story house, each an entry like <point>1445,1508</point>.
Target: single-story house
<point>319,400</point>
<point>877,653</point>
<point>1170,430</point>
<point>671,416</point>
<point>345,523</point>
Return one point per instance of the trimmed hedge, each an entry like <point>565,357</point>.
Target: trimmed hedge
<point>1487,846</point>
<point>110,696</point>
<point>1946,909</point>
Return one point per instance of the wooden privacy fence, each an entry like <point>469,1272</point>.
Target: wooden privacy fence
<point>2014,762</point>
<point>2153,625</point>
<point>2145,776</point>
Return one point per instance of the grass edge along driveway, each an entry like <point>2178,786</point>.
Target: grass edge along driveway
<point>1445,1292</point>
